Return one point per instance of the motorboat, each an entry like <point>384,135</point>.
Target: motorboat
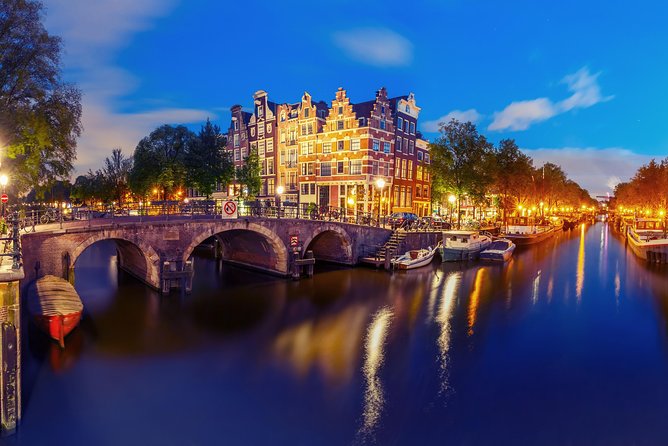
<point>528,230</point>
<point>648,239</point>
<point>415,258</point>
<point>55,307</point>
<point>463,245</point>
<point>499,250</point>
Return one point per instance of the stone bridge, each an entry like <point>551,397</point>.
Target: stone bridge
<point>144,247</point>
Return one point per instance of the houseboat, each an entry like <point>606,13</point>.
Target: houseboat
<point>463,245</point>
<point>528,230</point>
<point>648,239</point>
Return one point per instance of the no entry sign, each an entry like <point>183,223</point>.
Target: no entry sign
<point>230,209</point>
<point>4,198</point>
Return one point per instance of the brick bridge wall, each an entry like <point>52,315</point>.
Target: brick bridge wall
<point>143,247</point>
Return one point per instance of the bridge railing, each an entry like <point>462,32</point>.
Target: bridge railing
<point>29,217</point>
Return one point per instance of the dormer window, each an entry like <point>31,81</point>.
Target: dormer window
<point>260,111</point>
<point>340,110</point>
<point>282,116</point>
<point>306,112</point>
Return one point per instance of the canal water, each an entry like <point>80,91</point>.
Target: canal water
<point>566,344</point>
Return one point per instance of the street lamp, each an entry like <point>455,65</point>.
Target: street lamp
<point>3,182</point>
<point>380,184</point>
<point>279,192</point>
<point>451,200</point>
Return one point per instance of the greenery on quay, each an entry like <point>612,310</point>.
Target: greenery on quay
<point>646,193</point>
<point>465,163</point>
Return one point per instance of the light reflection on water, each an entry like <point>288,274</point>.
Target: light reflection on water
<point>374,357</point>
<point>358,355</point>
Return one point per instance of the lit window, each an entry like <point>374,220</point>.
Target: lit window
<point>354,144</point>
<point>376,145</point>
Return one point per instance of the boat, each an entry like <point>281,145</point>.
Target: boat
<point>648,239</point>
<point>528,230</point>
<point>55,307</point>
<point>500,249</point>
<point>463,245</point>
<point>414,258</point>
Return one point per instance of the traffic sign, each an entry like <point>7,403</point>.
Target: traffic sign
<point>4,198</point>
<point>230,209</point>
<point>294,241</point>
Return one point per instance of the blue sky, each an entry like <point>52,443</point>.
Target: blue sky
<point>582,84</point>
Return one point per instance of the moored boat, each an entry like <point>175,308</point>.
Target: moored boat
<point>414,258</point>
<point>463,245</point>
<point>648,239</point>
<point>55,306</point>
<point>499,250</point>
<point>527,231</point>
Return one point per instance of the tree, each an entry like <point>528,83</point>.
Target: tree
<point>40,115</point>
<point>461,162</point>
<point>248,175</point>
<point>116,173</point>
<point>513,175</point>
<point>159,160</point>
<point>207,162</point>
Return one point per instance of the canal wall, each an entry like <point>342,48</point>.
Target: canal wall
<point>10,346</point>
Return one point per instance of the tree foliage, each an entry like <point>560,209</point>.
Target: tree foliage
<point>207,162</point>
<point>248,176</point>
<point>647,190</point>
<point>461,162</point>
<point>116,172</point>
<point>160,160</point>
<point>40,116</point>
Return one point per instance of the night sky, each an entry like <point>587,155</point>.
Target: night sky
<point>582,84</point>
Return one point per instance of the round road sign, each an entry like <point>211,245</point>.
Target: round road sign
<point>4,198</point>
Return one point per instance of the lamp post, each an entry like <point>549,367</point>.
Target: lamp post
<point>380,184</point>
<point>279,192</point>
<point>3,182</point>
<point>451,200</point>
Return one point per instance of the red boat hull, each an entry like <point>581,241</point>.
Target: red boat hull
<point>58,326</point>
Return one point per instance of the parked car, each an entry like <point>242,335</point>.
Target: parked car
<point>434,222</point>
<point>402,219</point>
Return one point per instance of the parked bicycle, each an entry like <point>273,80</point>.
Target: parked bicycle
<point>48,216</point>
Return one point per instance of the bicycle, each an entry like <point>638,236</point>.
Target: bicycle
<point>26,224</point>
<point>50,215</point>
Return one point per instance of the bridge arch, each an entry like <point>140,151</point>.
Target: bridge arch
<point>331,243</point>
<point>247,243</point>
<point>137,258</point>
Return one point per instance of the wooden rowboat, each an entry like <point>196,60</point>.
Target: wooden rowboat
<point>55,307</point>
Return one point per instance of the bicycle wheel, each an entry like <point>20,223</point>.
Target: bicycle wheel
<point>44,219</point>
<point>26,225</point>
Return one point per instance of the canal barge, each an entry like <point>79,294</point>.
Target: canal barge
<point>463,245</point>
<point>648,240</point>
<point>55,307</point>
<point>528,231</point>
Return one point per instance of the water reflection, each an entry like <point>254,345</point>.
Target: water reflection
<point>374,356</point>
<point>445,313</point>
<point>580,274</point>
<point>474,301</point>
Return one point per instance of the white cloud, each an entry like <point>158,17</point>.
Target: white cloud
<point>585,89</point>
<point>520,115</point>
<point>93,33</point>
<point>597,170</point>
<point>470,115</point>
<point>375,46</point>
